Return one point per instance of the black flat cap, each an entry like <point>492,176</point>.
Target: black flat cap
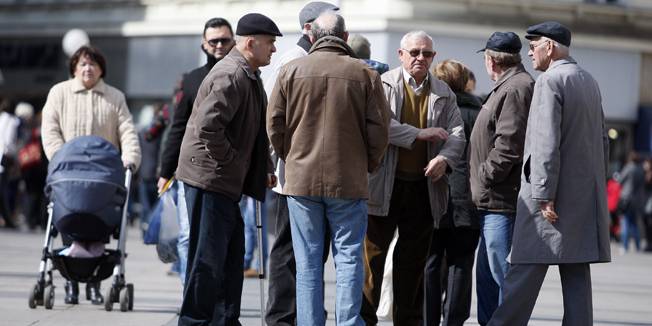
<point>312,10</point>
<point>256,24</point>
<point>503,42</point>
<point>552,30</point>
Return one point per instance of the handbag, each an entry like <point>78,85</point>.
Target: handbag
<point>30,155</point>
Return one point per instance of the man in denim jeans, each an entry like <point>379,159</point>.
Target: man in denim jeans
<point>328,120</point>
<point>496,155</point>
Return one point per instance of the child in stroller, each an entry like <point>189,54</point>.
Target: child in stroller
<point>88,194</point>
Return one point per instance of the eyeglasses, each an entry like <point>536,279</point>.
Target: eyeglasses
<point>533,46</point>
<point>222,40</point>
<point>415,53</point>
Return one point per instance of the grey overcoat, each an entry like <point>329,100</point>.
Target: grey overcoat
<point>565,160</point>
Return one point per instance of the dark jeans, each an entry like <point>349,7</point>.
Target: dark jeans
<point>454,248</point>
<point>281,303</point>
<point>214,276</point>
<point>409,211</point>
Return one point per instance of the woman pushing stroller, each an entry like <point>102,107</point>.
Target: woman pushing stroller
<point>85,105</point>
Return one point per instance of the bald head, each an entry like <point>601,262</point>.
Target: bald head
<point>328,24</point>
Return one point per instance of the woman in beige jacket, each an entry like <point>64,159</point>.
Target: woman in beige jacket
<point>85,105</point>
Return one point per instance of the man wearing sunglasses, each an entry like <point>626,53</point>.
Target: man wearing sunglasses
<point>410,190</point>
<point>562,217</point>
<point>496,156</point>
<point>217,41</point>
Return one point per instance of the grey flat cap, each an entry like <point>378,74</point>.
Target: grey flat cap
<point>313,9</point>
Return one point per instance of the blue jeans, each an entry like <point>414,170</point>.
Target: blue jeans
<point>248,211</point>
<point>184,231</point>
<point>491,266</point>
<point>347,221</point>
<point>630,229</point>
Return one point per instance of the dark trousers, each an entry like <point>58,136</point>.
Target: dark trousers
<point>523,283</point>
<point>409,212</point>
<point>281,302</point>
<point>214,276</point>
<point>449,269</point>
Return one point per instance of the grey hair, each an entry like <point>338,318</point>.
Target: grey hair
<point>415,35</point>
<point>328,24</point>
<point>239,38</point>
<point>565,50</point>
<point>504,59</point>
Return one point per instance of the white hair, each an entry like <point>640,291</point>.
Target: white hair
<point>565,50</point>
<point>415,35</point>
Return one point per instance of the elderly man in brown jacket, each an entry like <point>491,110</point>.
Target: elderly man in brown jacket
<point>225,153</point>
<point>328,120</point>
<point>496,155</point>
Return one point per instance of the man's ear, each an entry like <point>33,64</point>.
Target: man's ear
<point>346,36</point>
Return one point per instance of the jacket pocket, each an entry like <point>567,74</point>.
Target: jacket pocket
<point>203,160</point>
<point>526,169</point>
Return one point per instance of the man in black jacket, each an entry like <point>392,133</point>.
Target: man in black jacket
<point>217,41</point>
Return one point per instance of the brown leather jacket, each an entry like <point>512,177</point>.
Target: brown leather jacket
<point>225,147</point>
<point>328,119</point>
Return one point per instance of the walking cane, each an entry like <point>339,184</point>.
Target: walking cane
<point>261,262</point>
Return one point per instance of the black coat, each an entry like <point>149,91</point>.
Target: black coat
<point>172,146</point>
<point>463,210</point>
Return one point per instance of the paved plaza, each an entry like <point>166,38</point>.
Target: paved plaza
<point>622,290</point>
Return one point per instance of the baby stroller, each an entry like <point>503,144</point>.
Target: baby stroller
<point>88,190</point>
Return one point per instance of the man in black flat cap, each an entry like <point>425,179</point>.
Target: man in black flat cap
<point>562,217</point>
<point>496,156</point>
<point>224,154</point>
<point>281,303</point>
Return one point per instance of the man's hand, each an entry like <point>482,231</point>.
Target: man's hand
<point>548,211</point>
<point>432,134</point>
<point>436,168</point>
<point>161,184</point>
<point>271,180</point>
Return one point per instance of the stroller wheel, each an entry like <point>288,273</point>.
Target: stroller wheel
<point>130,291</point>
<point>124,299</point>
<point>49,297</point>
<point>108,299</point>
<point>33,296</point>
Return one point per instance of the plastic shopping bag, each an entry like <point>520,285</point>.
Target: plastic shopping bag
<point>385,305</point>
<point>169,233</point>
<point>150,236</point>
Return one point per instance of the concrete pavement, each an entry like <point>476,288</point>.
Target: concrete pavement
<point>622,290</point>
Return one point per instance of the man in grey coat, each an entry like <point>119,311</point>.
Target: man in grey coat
<point>561,216</point>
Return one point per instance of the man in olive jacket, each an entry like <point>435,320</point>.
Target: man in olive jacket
<point>225,153</point>
<point>496,157</point>
<point>410,190</point>
<point>328,120</point>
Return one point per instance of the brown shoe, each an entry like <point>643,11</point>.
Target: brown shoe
<point>250,273</point>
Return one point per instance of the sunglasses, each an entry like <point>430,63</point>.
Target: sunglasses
<point>223,40</point>
<point>415,53</point>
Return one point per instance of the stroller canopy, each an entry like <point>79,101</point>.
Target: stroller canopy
<point>86,185</point>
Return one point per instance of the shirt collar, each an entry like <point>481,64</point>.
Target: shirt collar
<point>100,86</point>
<point>413,83</point>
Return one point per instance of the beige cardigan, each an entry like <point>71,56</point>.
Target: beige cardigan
<point>72,111</point>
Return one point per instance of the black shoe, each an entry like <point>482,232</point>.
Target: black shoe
<point>93,293</point>
<point>72,292</point>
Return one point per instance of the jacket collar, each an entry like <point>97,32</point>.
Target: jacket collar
<point>240,60</point>
<point>507,75</point>
<point>332,44</point>
<point>77,86</point>
<point>563,61</point>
